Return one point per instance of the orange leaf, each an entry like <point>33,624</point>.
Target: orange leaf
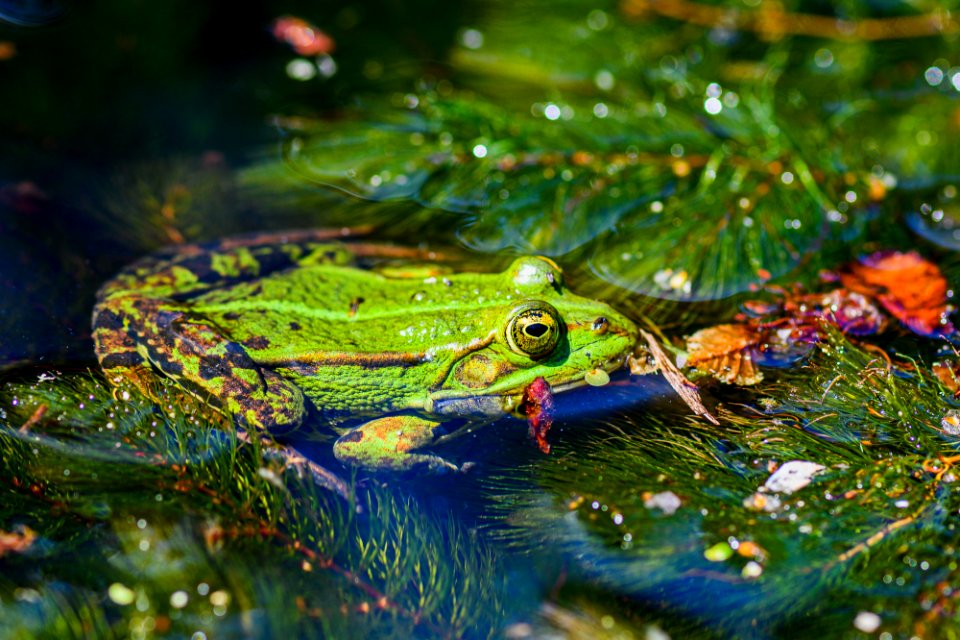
<point>948,372</point>
<point>306,39</point>
<point>911,288</point>
<point>16,541</point>
<point>726,352</point>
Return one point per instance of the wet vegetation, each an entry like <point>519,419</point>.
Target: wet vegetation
<point>770,189</point>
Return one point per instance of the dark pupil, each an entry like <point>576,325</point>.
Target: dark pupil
<point>536,329</point>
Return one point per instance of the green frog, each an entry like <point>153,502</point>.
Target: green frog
<point>269,327</point>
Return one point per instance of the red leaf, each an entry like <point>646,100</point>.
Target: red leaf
<point>911,288</point>
<point>303,37</point>
<point>16,541</point>
<point>854,313</point>
<point>538,405</point>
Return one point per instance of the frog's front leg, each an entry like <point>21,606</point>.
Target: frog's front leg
<point>388,443</point>
<point>194,353</point>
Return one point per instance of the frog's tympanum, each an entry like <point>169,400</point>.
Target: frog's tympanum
<point>267,326</point>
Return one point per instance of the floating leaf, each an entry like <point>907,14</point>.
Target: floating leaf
<point>732,230</point>
<point>911,288</point>
<point>303,37</point>
<point>852,312</point>
<point>16,541</point>
<point>726,352</point>
<point>947,372</point>
<point>543,183</point>
<point>665,204</point>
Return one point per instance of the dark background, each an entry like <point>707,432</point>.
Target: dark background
<point>107,104</point>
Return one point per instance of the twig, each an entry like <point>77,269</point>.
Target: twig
<point>33,419</point>
<point>772,22</point>
<point>687,391</point>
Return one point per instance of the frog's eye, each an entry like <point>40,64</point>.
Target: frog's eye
<point>534,329</point>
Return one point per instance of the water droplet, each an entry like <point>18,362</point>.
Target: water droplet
<point>598,20</point>
<point>120,594</point>
<point>604,80</point>
<point>867,621</point>
<point>933,76</point>
<point>823,58</point>
<point>300,69</point>
<point>471,39</point>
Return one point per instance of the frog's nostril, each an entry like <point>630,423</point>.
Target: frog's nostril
<point>600,325</point>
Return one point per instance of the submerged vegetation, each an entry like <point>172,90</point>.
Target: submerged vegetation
<point>769,188</point>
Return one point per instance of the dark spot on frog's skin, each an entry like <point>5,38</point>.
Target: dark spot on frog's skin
<point>210,370</point>
<point>107,319</point>
<point>172,368</point>
<point>352,436</point>
<point>128,359</point>
<point>201,266</point>
<point>166,318</point>
<point>295,326</point>
<point>231,315</point>
<point>235,358</point>
<point>257,342</point>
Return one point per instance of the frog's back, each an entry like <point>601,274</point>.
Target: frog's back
<point>306,313</point>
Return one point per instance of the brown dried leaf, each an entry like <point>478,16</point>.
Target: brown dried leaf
<point>948,372</point>
<point>687,391</point>
<point>726,353</point>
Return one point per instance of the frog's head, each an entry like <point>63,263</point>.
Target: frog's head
<point>545,331</point>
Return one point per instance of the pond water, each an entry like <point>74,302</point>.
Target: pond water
<point>768,191</point>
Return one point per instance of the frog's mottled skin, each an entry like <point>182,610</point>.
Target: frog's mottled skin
<point>263,324</point>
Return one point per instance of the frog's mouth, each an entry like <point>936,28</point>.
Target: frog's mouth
<point>497,402</point>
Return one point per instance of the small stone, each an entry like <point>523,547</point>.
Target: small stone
<point>751,570</point>
<point>792,476</point>
<point>718,552</point>
<point>666,501</point>
<point>867,621</point>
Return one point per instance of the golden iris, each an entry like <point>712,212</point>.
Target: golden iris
<point>534,329</point>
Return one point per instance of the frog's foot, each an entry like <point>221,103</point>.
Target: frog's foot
<point>322,477</point>
<point>117,351</point>
<point>387,443</point>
